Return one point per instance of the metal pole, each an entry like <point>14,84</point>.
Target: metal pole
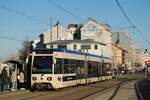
<point>51,22</point>
<point>86,68</point>
<point>57,30</point>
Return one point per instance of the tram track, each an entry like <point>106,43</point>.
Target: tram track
<point>71,93</point>
<point>116,86</point>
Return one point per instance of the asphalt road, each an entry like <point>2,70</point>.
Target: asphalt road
<point>106,90</point>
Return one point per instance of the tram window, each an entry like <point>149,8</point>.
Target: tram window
<point>104,69</point>
<point>69,66</point>
<point>93,69</point>
<point>42,64</point>
<point>58,67</point>
<point>66,65</point>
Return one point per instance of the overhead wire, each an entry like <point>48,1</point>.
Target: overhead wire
<point>131,23</point>
<point>10,38</point>
<point>23,14</point>
<point>125,14</point>
<point>65,10</point>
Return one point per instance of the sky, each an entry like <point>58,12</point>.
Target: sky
<point>27,19</point>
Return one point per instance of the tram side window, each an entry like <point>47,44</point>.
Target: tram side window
<point>58,67</point>
<point>108,69</point>
<point>73,65</point>
<point>104,70</point>
<point>92,69</point>
<point>69,66</point>
<point>66,65</point>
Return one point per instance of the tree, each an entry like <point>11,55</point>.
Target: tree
<point>25,50</point>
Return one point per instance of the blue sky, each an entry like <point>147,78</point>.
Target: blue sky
<point>20,27</point>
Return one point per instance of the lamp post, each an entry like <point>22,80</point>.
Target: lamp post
<point>85,51</point>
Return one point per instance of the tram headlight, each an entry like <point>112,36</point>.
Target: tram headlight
<point>49,78</point>
<point>34,78</point>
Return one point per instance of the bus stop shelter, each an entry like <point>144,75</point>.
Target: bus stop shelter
<point>16,66</point>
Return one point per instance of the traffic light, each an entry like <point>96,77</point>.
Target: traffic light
<point>146,51</point>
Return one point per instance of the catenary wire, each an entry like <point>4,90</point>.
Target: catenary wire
<point>23,14</point>
<point>65,10</point>
<point>131,23</point>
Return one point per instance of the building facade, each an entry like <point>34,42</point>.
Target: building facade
<point>96,35</point>
<point>116,56</point>
<point>98,32</point>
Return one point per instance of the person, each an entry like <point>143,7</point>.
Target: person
<point>21,80</point>
<point>5,79</point>
<point>13,80</point>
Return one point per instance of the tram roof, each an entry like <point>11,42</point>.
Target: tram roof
<point>70,51</point>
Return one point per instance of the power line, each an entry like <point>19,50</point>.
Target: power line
<point>10,38</point>
<point>23,14</point>
<point>132,24</point>
<point>139,31</point>
<point>125,14</point>
<point>65,10</point>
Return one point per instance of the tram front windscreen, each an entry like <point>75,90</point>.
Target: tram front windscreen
<point>42,64</point>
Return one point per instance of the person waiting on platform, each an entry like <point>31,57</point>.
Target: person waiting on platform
<point>13,79</point>
<point>21,80</point>
<point>5,83</point>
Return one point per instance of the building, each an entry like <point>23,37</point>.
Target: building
<point>87,45</point>
<point>58,32</point>
<point>98,32</point>
<point>97,36</point>
<point>123,41</point>
<point>131,56</point>
<point>116,56</point>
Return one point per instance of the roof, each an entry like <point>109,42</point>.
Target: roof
<point>75,41</point>
<point>13,61</point>
<point>103,24</point>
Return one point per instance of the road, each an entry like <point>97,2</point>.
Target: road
<point>116,89</point>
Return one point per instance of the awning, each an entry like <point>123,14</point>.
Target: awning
<point>147,60</point>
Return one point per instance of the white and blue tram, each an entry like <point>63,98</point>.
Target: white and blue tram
<point>59,68</point>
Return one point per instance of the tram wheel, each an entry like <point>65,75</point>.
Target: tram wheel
<point>32,89</point>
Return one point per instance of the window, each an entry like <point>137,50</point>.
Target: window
<point>74,47</point>
<point>69,66</point>
<point>85,46</point>
<point>62,46</point>
<point>95,47</point>
<point>42,64</point>
<point>90,27</point>
<point>93,69</point>
<point>58,66</point>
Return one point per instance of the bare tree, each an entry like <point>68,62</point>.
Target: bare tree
<point>25,50</point>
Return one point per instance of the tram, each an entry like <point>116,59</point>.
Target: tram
<point>59,68</point>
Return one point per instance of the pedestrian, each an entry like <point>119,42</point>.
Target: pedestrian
<point>21,81</point>
<point>5,84</point>
<point>14,80</point>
